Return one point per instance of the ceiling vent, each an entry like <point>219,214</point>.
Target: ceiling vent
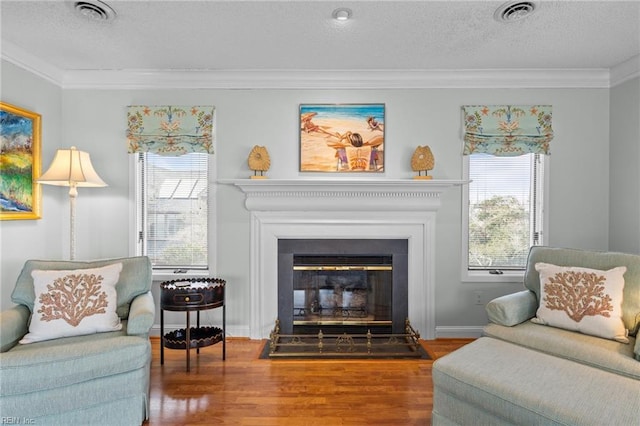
<point>514,11</point>
<point>95,10</point>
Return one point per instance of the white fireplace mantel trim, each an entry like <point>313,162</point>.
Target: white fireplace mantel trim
<point>268,227</point>
<point>342,209</point>
<point>342,195</point>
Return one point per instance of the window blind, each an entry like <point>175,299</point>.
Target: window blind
<point>174,210</point>
<point>507,130</point>
<point>504,217</point>
<point>170,130</point>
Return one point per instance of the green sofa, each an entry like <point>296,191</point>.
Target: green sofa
<point>100,378</point>
<point>520,372</point>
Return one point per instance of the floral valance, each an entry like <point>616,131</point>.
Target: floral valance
<point>170,130</point>
<point>507,130</point>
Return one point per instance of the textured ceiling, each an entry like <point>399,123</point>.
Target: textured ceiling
<point>301,35</point>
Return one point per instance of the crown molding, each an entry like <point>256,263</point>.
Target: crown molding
<point>336,79</point>
<point>321,79</point>
<point>17,56</point>
<point>625,71</point>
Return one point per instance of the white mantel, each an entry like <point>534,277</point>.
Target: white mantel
<point>360,194</point>
<point>342,209</point>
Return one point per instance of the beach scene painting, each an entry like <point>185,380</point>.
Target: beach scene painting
<point>19,163</point>
<point>342,138</point>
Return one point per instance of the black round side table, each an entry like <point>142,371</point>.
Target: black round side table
<point>188,295</point>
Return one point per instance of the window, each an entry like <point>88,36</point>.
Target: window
<point>172,211</point>
<point>504,214</point>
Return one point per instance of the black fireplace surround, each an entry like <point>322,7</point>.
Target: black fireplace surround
<point>388,300</point>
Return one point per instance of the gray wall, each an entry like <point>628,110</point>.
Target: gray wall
<point>95,121</point>
<point>624,198</point>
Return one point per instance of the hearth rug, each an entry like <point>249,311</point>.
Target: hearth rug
<point>345,346</point>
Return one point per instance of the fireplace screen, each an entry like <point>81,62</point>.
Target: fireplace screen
<point>342,290</point>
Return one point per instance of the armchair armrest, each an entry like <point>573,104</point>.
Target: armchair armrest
<point>14,324</point>
<point>141,315</point>
<point>513,308</point>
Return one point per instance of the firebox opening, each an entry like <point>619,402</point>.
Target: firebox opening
<point>342,291</point>
<point>336,286</point>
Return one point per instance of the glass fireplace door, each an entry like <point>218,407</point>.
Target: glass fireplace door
<point>342,290</point>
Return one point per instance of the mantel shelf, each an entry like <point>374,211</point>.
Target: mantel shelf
<point>343,194</point>
<point>282,183</point>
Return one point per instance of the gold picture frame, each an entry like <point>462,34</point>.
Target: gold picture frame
<point>20,163</point>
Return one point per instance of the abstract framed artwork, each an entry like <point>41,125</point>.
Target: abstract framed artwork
<point>342,138</point>
<point>20,161</point>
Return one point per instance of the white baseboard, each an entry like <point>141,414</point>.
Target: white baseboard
<point>471,331</point>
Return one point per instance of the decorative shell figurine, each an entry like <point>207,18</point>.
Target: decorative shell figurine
<point>422,160</point>
<point>259,161</point>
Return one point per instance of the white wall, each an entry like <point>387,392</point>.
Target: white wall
<point>95,121</point>
<point>625,167</point>
<point>43,238</point>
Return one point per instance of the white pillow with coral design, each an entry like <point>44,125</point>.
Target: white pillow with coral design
<point>585,300</point>
<point>73,303</point>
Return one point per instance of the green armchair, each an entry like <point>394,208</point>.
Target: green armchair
<point>97,378</point>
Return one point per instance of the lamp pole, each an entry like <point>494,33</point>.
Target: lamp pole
<point>73,194</point>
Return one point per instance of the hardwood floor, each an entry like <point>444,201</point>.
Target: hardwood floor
<point>245,390</point>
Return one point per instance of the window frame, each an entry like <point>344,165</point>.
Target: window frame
<point>507,276</point>
<point>135,224</point>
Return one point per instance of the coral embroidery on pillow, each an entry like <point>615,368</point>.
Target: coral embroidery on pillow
<point>72,298</point>
<point>578,294</point>
<point>74,302</point>
<point>582,299</point>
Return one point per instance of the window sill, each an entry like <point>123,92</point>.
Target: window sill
<point>486,277</point>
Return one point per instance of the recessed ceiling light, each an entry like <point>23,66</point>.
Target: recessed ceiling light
<point>342,14</point>
<point>94,10</point>
<point>514,11</point>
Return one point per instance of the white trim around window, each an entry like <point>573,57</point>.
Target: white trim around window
<point>483,276</point>
<point>134,225</point>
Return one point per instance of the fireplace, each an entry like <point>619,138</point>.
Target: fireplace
<point>335,285</point>
<point>318,209</point>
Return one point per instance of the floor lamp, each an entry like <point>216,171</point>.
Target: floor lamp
<point>72,168</point>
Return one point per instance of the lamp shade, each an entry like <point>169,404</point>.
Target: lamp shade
<point>71,167</point>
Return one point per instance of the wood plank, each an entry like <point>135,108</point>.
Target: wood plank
<point>246,390</point>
